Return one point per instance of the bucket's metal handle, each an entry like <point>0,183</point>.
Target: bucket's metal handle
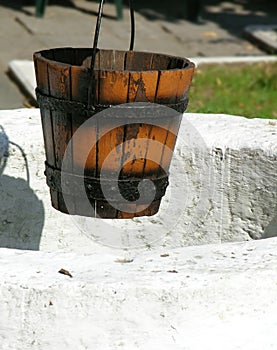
<point>97,30</point>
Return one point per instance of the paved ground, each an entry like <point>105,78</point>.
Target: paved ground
<point>160,28</point>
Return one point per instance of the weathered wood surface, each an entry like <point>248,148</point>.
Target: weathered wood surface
<point>118,77</point>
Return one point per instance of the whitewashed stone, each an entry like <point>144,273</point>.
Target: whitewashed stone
<point>223,187</point>
<point>206,297</point>
<point>241,161</point>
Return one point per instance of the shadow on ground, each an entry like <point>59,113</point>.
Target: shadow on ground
<point>232,16</point>
<point>235,15</point>
<point>21,215</point>
<point>20,6</point>
<point>21,212</point>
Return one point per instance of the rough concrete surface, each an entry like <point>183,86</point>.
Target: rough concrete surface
<point>223,187</point>
<point>209,297</point>
<point>157,297</point>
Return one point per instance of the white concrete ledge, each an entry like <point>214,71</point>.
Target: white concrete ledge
<point>223,187</point>
<point>233,60</point>
<point>207,297</point>
<point>217,296</point>
<point>24,73</point>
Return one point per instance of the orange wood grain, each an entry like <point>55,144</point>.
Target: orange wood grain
<point>113,87</point>
<point>142,86</point>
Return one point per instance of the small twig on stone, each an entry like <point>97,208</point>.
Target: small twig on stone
<point>65,272</point>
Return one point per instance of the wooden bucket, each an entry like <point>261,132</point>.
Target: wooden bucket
<point>69,93</point>
<point>73,86</point>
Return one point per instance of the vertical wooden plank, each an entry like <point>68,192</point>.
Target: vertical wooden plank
<point>171,137</point>
<point>113,89</point>
<point>160,62</point>
<point>86,59</point>
<point>59,87</point>
<point>167,87</point>
<point>184,83</point>
<point>133,159</point>
<point>41,68</point>
<point>142,88</point>
<point>86,62</point>
<point>80,79</point>
<point>97,60</point>
<point>134,153</point>
<point>129,60</point>
<point>46,119</point>
<point>110,145</point>
<point>106,59</point>
<point>157,139</point>
<point>83,82</point>
<point>118,60</point>
<point>165,94</point>
<point>138,61</point>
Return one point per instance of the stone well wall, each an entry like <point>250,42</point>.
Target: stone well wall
<point>223,187</point>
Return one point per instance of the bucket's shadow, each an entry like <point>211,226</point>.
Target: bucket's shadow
<point>21,215</point>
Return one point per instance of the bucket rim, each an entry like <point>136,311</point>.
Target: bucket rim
<point>40,55</point>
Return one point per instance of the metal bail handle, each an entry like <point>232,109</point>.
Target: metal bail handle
<point>97,30</point>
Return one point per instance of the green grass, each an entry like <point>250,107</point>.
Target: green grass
<point>245,90</point>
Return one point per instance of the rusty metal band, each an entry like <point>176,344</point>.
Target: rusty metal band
<point>67,106</point>
<point>73,184</point>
